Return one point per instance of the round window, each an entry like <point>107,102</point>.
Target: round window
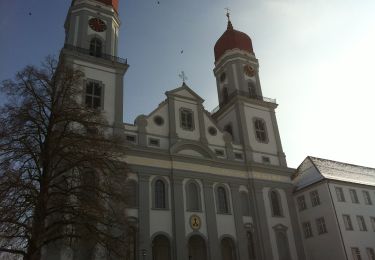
<point>212,130</point>
<point>223,76</point>
<point>158,120</point>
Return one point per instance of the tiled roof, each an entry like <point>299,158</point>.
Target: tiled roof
<point>344,172</point>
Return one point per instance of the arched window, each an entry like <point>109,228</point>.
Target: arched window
<point>260,130</point>
<point>160,195</point>
<point>222,200</point>
<point>244,204</point>
<point>275,203</point>
<point>227,249</point>
<point>132,191</point>
<point>96,47</point>
<point>193,198</point>
<point>161,248</point>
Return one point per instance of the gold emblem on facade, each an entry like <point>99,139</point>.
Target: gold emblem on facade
<point>195,222</point>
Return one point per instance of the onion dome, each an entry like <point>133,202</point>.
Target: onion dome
<point>232,39</point>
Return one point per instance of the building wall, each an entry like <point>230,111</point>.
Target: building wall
<point>355,237</point>
<point>324,246</point>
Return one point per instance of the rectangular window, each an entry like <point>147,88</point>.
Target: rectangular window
<point>373,223</point>
<point>371,253</point>
<point>93,95</point>
<point>347,222</point>
<point>366,196</point>
<point>154,142</point>
<point>266,159</point>
<point>353,196</point>
<point>321,225</point>
<point>131,138</point>
<point>306,226</point>
<point>356,253</point>
<point>301,203</point>
<point>186,118</point>
<point>315,200</point>
<point>361,223</point>
<point>260,130</point>
<point>238,156</point>
<point>219,153</point>
<point>339,194</point>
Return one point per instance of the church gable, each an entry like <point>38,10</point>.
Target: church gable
<point>158,120</point>
<point>185,92</point>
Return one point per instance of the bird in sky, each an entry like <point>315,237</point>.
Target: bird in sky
<point>30,13</point>
<point>182,51</point>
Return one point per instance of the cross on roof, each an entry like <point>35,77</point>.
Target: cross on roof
<point>183,76</point>
<point>228,13</point>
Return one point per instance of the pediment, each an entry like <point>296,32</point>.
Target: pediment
<point>185,92</point>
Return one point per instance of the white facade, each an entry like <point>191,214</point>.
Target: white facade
<point>338,200</point>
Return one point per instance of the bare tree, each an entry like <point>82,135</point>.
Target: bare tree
<point>60,167</point>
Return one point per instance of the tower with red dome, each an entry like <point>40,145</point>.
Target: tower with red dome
<point>243,111</point>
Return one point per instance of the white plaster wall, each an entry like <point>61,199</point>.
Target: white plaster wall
<point>108,78</point>
<point>160,220</point>
<point>163,141</point>
<point>201,213</point>
<point>230,117</point>
<point>252,112</point>
<point>355,238</point>
<point>218,138</point>
<point>274,160</point>
<point>155,129</point>
<point>187,134</point>
<point>273,221</point>
<point>325,246</point>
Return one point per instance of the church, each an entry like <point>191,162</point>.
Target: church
<point>207,184</point>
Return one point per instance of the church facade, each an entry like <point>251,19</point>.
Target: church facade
<point>207,185</point>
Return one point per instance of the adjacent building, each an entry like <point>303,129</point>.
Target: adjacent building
<point>336,209</point>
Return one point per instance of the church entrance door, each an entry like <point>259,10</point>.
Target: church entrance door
<point>197,248</point>
<point>161,248</point>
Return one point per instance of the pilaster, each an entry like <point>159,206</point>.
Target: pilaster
<point>172,121</point>
<point>179,219</point>
<point>243,253</point>
<point>213,239</point>
<point>144,217</point>
<point>202,125</point>
<point>280,152</point>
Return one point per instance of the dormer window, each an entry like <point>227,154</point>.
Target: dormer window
<point>96,47</point>
<point>187,119</point>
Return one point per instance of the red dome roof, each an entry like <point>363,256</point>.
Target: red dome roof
<point>232,39</point>
<point>113,3</point>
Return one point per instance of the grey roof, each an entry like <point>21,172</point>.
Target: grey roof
<point>344,172</point>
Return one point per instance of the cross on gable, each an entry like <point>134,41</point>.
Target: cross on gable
<point>183,76</point>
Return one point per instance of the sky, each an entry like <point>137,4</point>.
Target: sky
<point>316,59</point>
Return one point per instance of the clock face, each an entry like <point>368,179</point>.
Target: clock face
<point>97,25</point>
<point>249,70</point>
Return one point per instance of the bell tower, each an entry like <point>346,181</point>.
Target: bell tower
<point>243,111</point>
<point>91,45</point>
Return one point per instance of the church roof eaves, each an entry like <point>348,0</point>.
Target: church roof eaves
<point>173,92</point>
